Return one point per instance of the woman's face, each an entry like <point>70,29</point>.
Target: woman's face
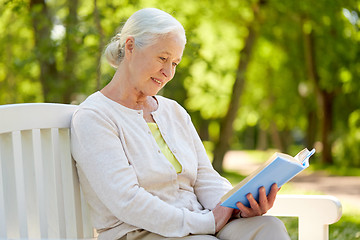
<point>153,66</point>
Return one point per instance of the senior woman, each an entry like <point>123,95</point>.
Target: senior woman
<point>141,164</point>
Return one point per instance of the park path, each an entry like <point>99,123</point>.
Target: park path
<point>346,189</point>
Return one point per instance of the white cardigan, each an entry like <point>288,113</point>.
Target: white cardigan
<point>127,181</point>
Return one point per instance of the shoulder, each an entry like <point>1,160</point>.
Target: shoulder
<point>95,101</point>
<point>170,105</point>
<point>165,100</point>
<point>94,109</point>
<point>90,107</point>
<point>172,110</point>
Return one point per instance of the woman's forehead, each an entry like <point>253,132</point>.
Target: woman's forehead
<point>170,45</point>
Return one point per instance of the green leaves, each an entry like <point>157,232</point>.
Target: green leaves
<point>279,94</point>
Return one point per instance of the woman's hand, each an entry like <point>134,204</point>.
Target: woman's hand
<point>261,207</point>
<point>222,216</point>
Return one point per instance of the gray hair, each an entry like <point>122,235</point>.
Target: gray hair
<point>145,26</point>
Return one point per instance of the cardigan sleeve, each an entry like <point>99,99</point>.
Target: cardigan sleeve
<point>209,185</point>
<point>98,151</point>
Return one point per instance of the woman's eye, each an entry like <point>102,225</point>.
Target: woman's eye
<point>162,58</point>
<point>175,64</point>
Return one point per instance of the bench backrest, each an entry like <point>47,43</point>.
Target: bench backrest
<point>40,195</point>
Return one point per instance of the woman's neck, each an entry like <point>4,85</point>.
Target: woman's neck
<point>121,91</point>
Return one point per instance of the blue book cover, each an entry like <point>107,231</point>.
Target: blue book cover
<point>279,169</point>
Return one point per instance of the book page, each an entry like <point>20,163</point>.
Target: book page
<point>304,155</point>
<point>298,159</point>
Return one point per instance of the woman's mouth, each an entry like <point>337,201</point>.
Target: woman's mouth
<point>155,80</point>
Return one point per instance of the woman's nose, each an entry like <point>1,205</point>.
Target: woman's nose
<point>167,71</point>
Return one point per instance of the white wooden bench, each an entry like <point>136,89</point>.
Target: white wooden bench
<point>40,196</point>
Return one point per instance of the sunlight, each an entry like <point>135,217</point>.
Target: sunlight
<point>351,16</point>
<point>58,32</point>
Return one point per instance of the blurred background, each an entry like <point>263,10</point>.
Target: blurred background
<point>255,75</point>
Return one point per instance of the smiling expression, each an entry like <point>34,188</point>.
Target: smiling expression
<point>153,66</point>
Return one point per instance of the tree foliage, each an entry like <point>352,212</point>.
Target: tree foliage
<point>300,87</point>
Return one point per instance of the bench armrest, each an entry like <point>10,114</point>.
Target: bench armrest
<point>315,213</point>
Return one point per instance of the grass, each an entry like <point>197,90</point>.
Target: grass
<point>335,170</point>
<point>259,156</point>
<point>347,228</point>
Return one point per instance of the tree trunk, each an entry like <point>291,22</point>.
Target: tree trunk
<point>262,143</point>
<point>326,124</point>
<point>10,84</point>
<point>44,48</point>
<point>311,129</point>
<point>325,99</point>
<point>101,44</point>
<point>71,43</point>
<point>276,137</point>
<point>226,125</point>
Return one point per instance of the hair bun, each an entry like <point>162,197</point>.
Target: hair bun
<point>117,37</point>
<point>113,53</point>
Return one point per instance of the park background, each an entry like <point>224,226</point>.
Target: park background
<point>257,76</point>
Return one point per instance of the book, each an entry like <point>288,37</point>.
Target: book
<point>279,169</point>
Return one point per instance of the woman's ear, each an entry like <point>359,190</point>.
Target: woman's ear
<point>129,45</point>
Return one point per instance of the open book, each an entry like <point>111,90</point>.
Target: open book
<point>279,169</point>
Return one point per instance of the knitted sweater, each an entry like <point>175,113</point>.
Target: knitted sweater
<point>127,181</point>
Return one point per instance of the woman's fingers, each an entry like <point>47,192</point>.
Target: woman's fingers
<point>261,207</point>
<point>263,200</point>
<point>245,212</point>
<point>272,195</point>
<point>254,205</point>
<point>253,210</point>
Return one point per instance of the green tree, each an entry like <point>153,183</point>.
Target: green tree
<point>298,88</point>
<point>45,49</point>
